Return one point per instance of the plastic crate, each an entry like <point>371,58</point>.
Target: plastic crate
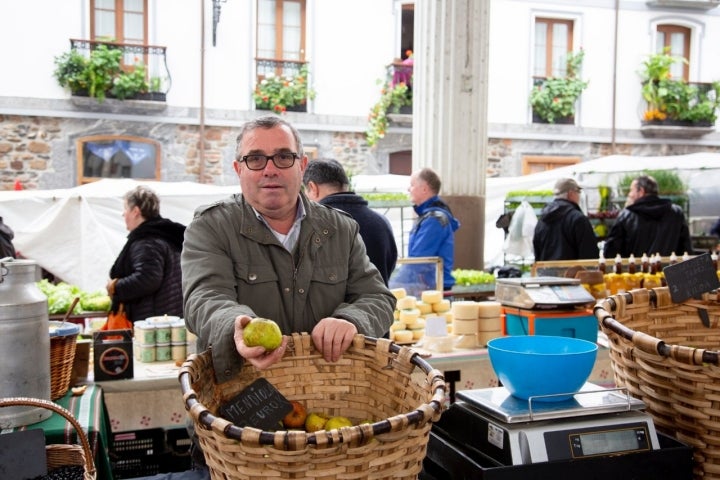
<point>178,441</point>
<point>137,443</point>
<point>580,324</point>
<point>138,467</point>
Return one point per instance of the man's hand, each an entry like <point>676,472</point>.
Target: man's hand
<point>332,336</point>
<point>258,356</point>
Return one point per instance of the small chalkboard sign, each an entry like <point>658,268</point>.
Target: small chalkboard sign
<point>690,278</point>
<point>15,450</point>
<point>259,405</point>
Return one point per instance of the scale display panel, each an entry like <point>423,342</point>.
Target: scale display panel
<point>589,442</point>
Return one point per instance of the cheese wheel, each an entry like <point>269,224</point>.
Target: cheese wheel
<point>424,308</point>
<point>464,327</point>
<point>449,328</point>
<point>431,296</point>
<point>402,336</point>
<point>398,292</point>
<point>418,333</point>
<point>489,324</point>
<point>396,314</point>
<point>415,324</point>
<point>484,337</point>
<point>467,341</point>
<point>441,306</point>
<point>489,309</point>
<point>466,310</point>
<point>397,326</point>
<point>409,315</point>
<point>448,316</point>
<point>406,302</point>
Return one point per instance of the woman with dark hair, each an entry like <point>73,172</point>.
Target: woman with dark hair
<point>146,276</point>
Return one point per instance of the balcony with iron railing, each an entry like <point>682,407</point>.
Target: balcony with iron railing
<point>94,68</point>
<point>282,85</point>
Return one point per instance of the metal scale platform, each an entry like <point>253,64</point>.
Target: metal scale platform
<point>490,434</point>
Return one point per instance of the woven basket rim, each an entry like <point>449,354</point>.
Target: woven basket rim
<point>606,309</point>
<point>202,415</point>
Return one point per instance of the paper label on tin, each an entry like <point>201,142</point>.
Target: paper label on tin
<point>495,435</point>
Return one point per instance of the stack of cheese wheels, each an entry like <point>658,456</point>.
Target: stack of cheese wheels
<point>465,323</point>
<point>439,306</point>
<point>408,326</point>
<point>489,322</point>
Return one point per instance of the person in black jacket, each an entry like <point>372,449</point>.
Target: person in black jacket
<point>325,182</point>
<point>146,276</point>
<point>648,224</point>
<point>7,249</point>
<point>563,232</point>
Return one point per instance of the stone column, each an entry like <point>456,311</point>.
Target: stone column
<point>450,111</point>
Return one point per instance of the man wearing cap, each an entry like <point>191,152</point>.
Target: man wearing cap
<point>563,232</point>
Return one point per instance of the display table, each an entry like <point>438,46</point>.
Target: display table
<point>149,400</point>
<point>89,410</point>
<point>154,398</point>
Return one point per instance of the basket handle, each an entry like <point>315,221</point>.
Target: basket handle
<point>36,402</point>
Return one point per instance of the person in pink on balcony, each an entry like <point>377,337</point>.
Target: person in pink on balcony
<point>403,72</point>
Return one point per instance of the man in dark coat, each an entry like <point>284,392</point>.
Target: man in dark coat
<point>563,232</point>
<point>326,183</point>
<point>648,224</point>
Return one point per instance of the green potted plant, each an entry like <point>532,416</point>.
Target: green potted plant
<point>100,75</point>
<point>553,100</point>
<point>674,101</point>
<point>392,99</point>
<point>280,94</point>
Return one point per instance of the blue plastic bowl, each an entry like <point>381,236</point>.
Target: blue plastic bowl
<point>532,365</point>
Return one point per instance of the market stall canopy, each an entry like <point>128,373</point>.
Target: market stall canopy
<point>77,233</point>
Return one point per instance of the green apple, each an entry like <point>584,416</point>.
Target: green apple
<point>337,422</point>
<point>262,332</point>
<point>315,421</point>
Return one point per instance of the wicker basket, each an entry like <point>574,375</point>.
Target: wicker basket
<point>61,455</point>
<point>63,343</point>
<point>663,354</point>
<point>375,379</point>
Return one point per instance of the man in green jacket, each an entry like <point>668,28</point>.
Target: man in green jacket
<point>269,252</point>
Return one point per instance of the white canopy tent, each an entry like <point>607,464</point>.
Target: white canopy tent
<point>77,233</point>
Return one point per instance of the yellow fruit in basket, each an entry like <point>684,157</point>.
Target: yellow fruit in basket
<point>262,332</point>
<point>315,421</point>
<point>337,422</point>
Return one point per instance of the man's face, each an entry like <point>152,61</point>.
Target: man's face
<point>272,191</point>
<point>634,193</point>
<point>418,190</point>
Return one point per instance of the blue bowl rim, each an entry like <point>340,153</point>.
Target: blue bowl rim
<point>590,346</point>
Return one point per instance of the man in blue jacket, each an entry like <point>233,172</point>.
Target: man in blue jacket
<point>433,234</point>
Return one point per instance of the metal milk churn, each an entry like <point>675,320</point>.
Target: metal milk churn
<point>24,342</point>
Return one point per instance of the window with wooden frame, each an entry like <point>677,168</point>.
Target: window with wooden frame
<point>541,163</point>
<point>280,36</point>
<point>119,21</point>
<point>553,41</point>
<point>677,40</point>
<point>117,156</point>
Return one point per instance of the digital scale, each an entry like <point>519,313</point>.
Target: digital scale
<point>595,421</point>
<point>542,292</point>
<point>597,433</point>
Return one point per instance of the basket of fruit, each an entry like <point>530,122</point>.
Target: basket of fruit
<point>383,397</point>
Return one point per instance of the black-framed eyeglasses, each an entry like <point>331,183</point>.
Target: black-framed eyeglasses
<point>259,162</point>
